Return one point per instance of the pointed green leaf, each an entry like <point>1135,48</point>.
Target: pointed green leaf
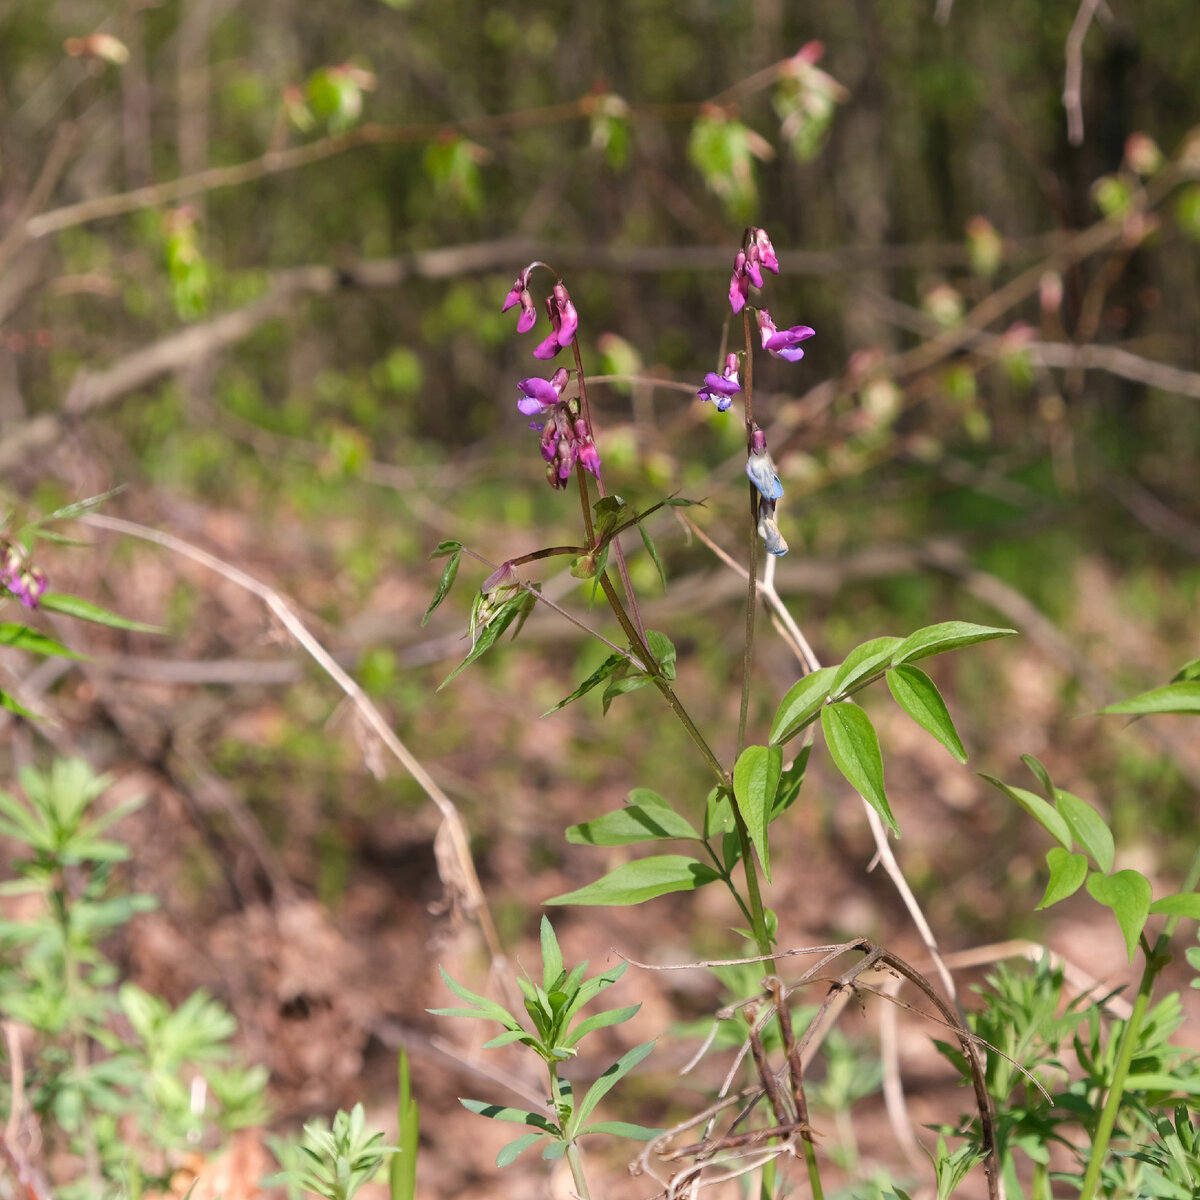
<point>801,703</point>
<point>1046,815</point>
<point>625,1129</point>
<point>718,813</point>
<point>1067,873</point>
<point>1043,776</point>
<point>663,650</point>
<point>516,1116</point>
<point>755,780</point>
<point>449,572</point>
<point>1127,893</point>
<point>949,635</point>
<point>918,695</point>
<point>641,880</point>
<point>861,662</point>
<point>1088,827</point>
<point>21,637</point>
<point>552,959</point>
<point>790,783</point>
<point>609,1079</point>
<point>598,676</point>
<point>601,1020</point>
<point>854,748</point>
<point>85,610</point>
<point>9,703</point>
<point>482,1006</point>
<point>642,820</point>
<point>1189,670</point>
<point>1181,697</point>
<point>652,550</point>
<point>514,1149</point>
<point>508,1037</point>
<point>508,612</point>
<point>402,1167</point>
<point>1181,904</point>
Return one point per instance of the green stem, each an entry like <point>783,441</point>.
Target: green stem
<point>727,879</point>
<point>573,1157</point>
<point>1156,959</point>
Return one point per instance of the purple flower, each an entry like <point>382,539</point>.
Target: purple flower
<point>739,285</point>
<point>564,321</point>
<point>721,389</point>
<point>22,578</point>
<point>541,394</point>
<point>782,343</point>
<point>519,294</point>
<point>763,251</point>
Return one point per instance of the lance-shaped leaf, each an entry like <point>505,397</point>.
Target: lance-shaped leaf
<point>480,1006</point>
<point>609,1080</point>
<point>600,1020</point>
<point>918,695</point>
<point>598,676</point>
<point>949,635</point>
<point>516,1116</point>
<point>21,637</point>
<point>1067,873</point>
<point>625,1129</point>
<point>755,780</point>
<point>801,703</point>
<point>1181,697</point>
<point>513,1150</point>
<point>646,818</point>
<point>854,748</point>
<point>508,612</point>
<point>1127,893</point>
<point>1045,814</point>
<point>552,959</point>
<point>453,552</point>
<point>862,662</point>
<point>85,610</point>
<point>643,879</point>
<point>1089,828</point>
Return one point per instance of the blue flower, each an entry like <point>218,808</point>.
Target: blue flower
<point>761,472</point>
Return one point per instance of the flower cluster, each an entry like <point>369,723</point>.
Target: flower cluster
<point>19,575</point>
<point>755,256</point>
<point>566,434</point>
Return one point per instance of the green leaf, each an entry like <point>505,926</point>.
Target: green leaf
<point>652,550</point>
<point>402,1167</point>
<point>609,1080</point>
<point>918,695</point>
<point>509,611</point>
<point>1180,904</point>
<point>511,1152</point>
<point>454,550</point>
<point>516,1116</point>
<point>801,703</point>
<point>625,1129</point>
<point>641,880</point>
<point>21,637</point>
<point>507,1038</point>
<point>598,676</point>
<point>861,662</point>
<point>949,635</point>
<point>1189,670</point>
<point>552,959</point>
<point>1067,873</point>
<point>790,783</point>
<point>646,818</point>
<point>12,705</point>
<point>718,813</point>
<point>481,1006</point>
<point>854,748</point>
<point>84,610</point>
<point>1088,827</point>
<point>1043,776</point>
<point>755,779</point>
<point>1127,893</point>
<point>1181,697</point>
<point>663,650</point>
<point>1045,814</point>
<point>601,1020</point>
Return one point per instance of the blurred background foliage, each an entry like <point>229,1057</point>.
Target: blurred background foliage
<point>251,264</point>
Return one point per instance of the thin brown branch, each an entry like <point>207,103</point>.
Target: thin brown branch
<point>1072,96</point>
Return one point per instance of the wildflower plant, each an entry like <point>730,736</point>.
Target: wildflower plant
<point>725,836</point>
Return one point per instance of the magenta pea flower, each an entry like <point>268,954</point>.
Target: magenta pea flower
<point>721,389</point>
<point>782,343</point>
<point>19,575</point>
<point>537,395</point>
<point>564,321</point>
<point>762,251</point>
<point>519,294</point>
<point>739,285</point>
<point>756,254</point>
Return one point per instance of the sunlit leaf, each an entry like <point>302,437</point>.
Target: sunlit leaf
<point>1067,873</point>
<point>1044,813</point>
<point>801,703</point>
<point>854,748</point>
<point>642,879</point>
<point>862,662</point>
<point>755,780</point>
<point>918,695</point>
<point>1127,893</point>
<point>1181,697</point>
<point>1088,827</point>
<point>948,635</point>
